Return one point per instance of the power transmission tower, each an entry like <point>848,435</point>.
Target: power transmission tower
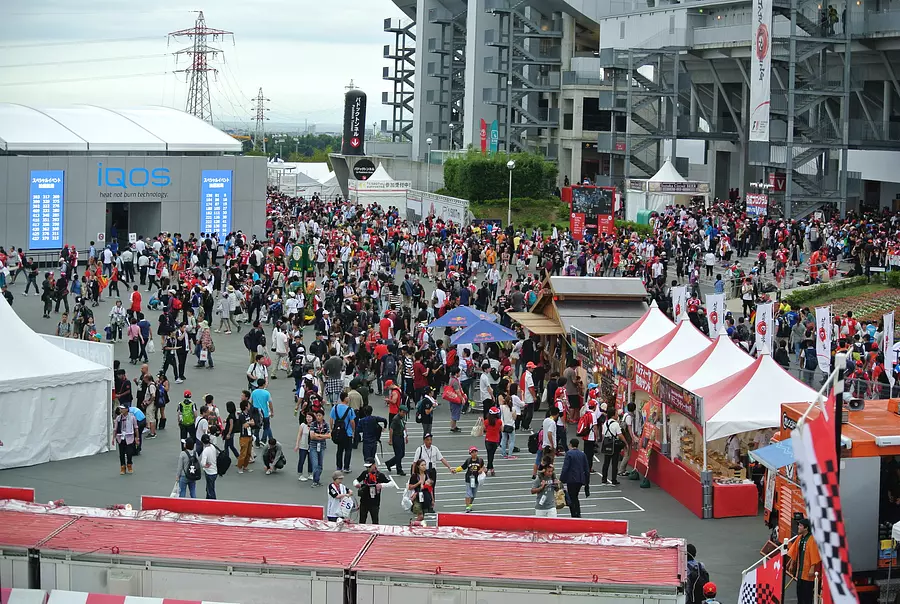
<point>201,55</point>
<point>259,134</point>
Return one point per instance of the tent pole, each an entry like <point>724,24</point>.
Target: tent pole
<point>666,450</point>
<point>706,475</point>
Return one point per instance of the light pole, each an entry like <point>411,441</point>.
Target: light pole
<point>451,137</point>
<point>428,141</point>
<point>511,165</point>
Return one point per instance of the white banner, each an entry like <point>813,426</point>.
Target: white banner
<point>760,70</point>
<point>823,337</point>
<point>765,323</point>
<point>440,206</point>
<point>715,313</point>
<point>888,347</point>
<point>679,302</point>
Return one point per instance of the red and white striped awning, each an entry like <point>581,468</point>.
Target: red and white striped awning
<point>22,596</point>
<point>75,597</point>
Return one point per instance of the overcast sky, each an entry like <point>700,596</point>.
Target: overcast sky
<point>301,52</point>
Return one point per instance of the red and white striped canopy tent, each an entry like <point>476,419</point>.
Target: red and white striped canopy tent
<point>75,597</point>
<point>22,596</point>
<point>649,328</point>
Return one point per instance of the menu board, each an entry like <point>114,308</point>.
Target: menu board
<point>215,202</point>
<point>46,207</point>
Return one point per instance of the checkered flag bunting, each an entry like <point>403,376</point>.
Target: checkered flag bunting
<point>763,584</point>
<point>817,470</point>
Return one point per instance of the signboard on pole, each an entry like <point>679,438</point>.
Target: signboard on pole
<point>823,337</point>
<point>645,445</point>
<point>679,302</point>
<point>715,313</point>
<point>760,70</point>
<point>132,237</point>
<point>47,193</point>
<point>763,329</point>
<point>757,204</point>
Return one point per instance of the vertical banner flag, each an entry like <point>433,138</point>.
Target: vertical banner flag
<point>715,313</point>
<point>888,347</point>
<point>764,326</point>
<point>763,585</point>
<point>760,70</point>
<point>47,193</point>
<point>215,202</point>
<point>823,337</point>
<point>495,137</point>
<point>679,302</point>
<point>483,136</point>
<point>813,442</point>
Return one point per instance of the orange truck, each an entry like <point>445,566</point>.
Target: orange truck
<point>870,488</point>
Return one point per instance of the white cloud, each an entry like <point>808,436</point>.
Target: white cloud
<point>302,53</point>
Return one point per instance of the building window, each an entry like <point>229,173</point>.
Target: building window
<point>429,127</point>
<point>487,94</point>
<point>488,63</point>
<point>429,96</point>
<point>567,121</point>
<point>431,68</point>
<point>432,44</point>
<point>621,30</point>
<point>593,119</point>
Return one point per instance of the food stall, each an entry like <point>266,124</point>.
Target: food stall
<point>869,487</point>
<point>707,400</point>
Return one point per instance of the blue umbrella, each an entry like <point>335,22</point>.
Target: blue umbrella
<point>462,316</point>
<point>484,331</point>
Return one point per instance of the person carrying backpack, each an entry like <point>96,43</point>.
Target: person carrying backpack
<point>343,425</point>
<point>187,413</point>
<point>189,471</point>
<point>697,577</point>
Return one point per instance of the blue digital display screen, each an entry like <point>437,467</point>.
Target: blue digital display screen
<point>45,209</point>
<point>215,202</point>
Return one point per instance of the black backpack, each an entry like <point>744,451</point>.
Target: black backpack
<point>193,472</point>
<point>388,365</point>
<point>223,461</point>
<point>533,442</point>
<point>339,434</point>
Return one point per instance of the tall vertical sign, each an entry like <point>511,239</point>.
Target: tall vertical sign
<point>483,133</point>
<point>760,70</point>
<point>679,302</point>
<point>46,208</point>
<point>715,314</point>
<point>215,202</point>
<point>495,137</point>
<point>888,347</point>
<point>823,338</point>
<point>764,324</point>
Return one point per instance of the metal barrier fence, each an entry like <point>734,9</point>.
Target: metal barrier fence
<point>856,388</point>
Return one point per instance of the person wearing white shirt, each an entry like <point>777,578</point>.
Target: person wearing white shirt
<point>548,442</point>
<point>208,463</point>
<point>611,430</point>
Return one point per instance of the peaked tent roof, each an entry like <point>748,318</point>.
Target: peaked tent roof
<point>380,174</point>
<point>751,399</point>
<point>682,342</point>
<point>36,363</point>
<point>667,173</point>
<point>716,362</point>
<point>649,328</point>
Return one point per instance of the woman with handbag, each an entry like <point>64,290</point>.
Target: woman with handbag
<point>205,346</point>
<point>508,417</point>
<point>453,393</point>
<point>492,431</point>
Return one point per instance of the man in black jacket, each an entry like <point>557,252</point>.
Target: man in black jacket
<point>575,474</point>
<point>369,485</point>
<point>255,338</point>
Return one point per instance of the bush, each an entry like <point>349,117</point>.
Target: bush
<point>893,278</point>
<point>802,297</point>
<point>479,177</point>
<point>643,230</point>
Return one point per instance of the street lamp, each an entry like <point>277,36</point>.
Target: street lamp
<point>428,142</point>
<point>511,165</point>
<point>451,137</point>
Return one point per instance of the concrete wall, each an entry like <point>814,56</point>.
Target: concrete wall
<point>174,207</point>
<point>478,22</point>
<point>424,113</point>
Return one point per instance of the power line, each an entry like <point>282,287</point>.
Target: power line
<point>80,42</point>
<point>76,61</point>
<point>90,78</point>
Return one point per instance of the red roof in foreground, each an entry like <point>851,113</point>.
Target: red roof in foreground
<point>23,529</point>
<point>210,543</point>
<point>570,563</point>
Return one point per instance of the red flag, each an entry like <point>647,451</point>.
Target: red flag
<point>483,136</point>
<point>763,585</point>
<point>817,469</point>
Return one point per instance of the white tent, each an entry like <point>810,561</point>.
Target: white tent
<point>649,328</point>
<point>721,359</point>
<point>751,399</point>
<point>330,187</point>
<point>665,188</point>
<point>380,188</point>
<point>53,404</point>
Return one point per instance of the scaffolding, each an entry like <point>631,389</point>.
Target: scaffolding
<point>450,71</point>
<point>401,75</point>
<point>528,72</point>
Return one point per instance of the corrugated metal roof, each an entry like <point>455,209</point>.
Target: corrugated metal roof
<point>220,543</point>
<point>83,128</point>
<point>567,563</point>
<point>599,317</point>
<point>626,287</point>
<point>21,529</point>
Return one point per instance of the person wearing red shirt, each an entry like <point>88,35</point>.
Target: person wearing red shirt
<point>393,399</point>
<point>420,378</point>
<point>381,349</point>
<point>492,429</point>
<point>386,327</point>
<point>135,307</point>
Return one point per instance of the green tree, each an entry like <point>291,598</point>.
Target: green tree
<point>478,177</point>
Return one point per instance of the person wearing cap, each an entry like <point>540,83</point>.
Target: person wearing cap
<point>369,484</point>
<point>804,562</point>
<point>187,411</point>
<point>709,593</point>
<point>493,426</point>
<point>475,473</point>
<point>337,493</point>
<point>186,486</point>
<point>126,437</point>
<point>529,395</point>
<point>208,463</point>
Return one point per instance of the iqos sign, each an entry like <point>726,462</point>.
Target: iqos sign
<point>135,177</point>
<point>118,181</point>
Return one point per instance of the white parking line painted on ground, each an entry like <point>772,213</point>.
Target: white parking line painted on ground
<point>480,497</point>
<point>393,482</point>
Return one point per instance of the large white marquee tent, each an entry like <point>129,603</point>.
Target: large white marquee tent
<point>53,404</point>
